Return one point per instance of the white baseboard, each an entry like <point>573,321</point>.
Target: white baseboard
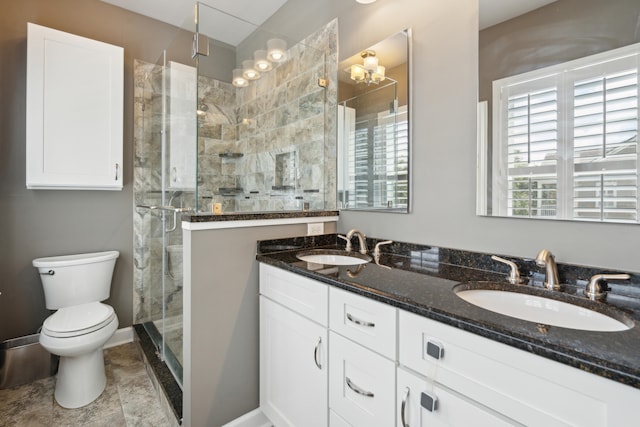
<point>122,336</point>
<point>255,418</point>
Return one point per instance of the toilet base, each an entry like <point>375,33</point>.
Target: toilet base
<point>81,379</point>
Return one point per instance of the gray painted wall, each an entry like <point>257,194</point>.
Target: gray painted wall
<point>37,223</point>
<point>221,321</point>
<point>444,91</point>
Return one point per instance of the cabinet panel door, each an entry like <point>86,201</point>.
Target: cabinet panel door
<point>451,409</point>
<point>74,111</point>
<point>361,384</point>
<point>293,367</point>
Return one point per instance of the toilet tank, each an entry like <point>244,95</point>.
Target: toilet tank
<point>76,279</point>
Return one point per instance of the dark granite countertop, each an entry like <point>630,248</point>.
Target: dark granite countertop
<point>246,216</point>
<point>413,280</point>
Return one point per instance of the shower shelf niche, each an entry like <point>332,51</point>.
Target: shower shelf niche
<point>230,155</point>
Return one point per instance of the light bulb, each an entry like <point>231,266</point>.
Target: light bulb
<point>276,50</point>
<point>371,64</point>
<point>261,63</point>
<point>238,79</point>
<point>357,73</point>
<point>248,72</point>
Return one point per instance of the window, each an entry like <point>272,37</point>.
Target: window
<point>376,157</point>
<point>566,140</point>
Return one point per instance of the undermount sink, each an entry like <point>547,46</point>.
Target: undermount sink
<point>542,310</point>
<point>333,257</point>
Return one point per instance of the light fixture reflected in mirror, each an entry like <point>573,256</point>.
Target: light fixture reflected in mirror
<point>261,63</point>
<point>370,71</point>
<point>238,79</point>
<point>276,50</point>
<point>248,72</point>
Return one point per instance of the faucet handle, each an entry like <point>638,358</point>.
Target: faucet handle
<point>514,275</point>
<point>348,246</point>
<point>595,291</point>
<point>376,251</point>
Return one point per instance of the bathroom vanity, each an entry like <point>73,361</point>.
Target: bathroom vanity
<point>389,343</point>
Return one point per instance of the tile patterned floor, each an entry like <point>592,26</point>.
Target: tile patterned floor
<point>128,400</point>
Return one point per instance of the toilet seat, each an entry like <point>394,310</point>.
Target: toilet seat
<point>78,320</point>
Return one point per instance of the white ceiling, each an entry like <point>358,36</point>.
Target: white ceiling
<point>219,25</point>
<point>493,12</point>
<point>223,19</point>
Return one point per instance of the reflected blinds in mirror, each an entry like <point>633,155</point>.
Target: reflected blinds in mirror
<point>566,145</point>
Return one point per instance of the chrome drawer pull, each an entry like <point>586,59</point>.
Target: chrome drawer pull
<point>360,322</point>
<point>357,389</point>
<point>403,407</point>
<point>315,353</point>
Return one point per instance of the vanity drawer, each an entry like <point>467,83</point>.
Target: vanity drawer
<point>365,321</point>
<point>361,384</point>
<point>493,374</point>
<point>298,293</point>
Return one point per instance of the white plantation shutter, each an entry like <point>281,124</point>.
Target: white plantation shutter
<point>566,138</point>
<point>378,155</point>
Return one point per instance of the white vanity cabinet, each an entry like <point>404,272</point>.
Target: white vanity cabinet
<point>293,349</point>
<point>388,367</point>
<point>74,112</point>
<point>422,403</point>
<point>362,354</point>
<point>521,387</point>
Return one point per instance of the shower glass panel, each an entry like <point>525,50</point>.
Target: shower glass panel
<point>164,188</point>
<point>262,139</point>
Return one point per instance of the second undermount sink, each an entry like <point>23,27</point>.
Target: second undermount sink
<point>333,257</point>
<point>542,310</point>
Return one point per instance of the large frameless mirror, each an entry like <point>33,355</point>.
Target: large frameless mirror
<point>558,111</point>
<point>373,127</point>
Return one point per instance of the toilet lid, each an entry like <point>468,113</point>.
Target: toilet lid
<point>78,319</point>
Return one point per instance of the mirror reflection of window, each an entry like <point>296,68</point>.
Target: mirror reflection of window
<point>373,128</point>
<point>558,115</point>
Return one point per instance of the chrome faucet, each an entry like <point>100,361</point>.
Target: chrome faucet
<point>546,259</point>
<point>362,240</point>
<point>597,290</point>
<point>514,275</point>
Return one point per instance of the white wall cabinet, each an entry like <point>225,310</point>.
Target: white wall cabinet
<point>74,112</point>
<point>388,367</point>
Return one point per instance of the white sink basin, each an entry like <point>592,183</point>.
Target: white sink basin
<point>541,310</point>
<point>333,257</point>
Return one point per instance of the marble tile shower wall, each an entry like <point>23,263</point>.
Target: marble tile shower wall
<point>268,147</point>
<point>271,146</point>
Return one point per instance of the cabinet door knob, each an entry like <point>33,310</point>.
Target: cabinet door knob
<point>360,322</point>
<point>428,402</point>
<point>403,407</point>
<point>357,389</point>
<point>434,350</point>
<point>315,353</point>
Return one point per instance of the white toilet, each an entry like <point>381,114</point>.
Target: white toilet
<point>74,285</point>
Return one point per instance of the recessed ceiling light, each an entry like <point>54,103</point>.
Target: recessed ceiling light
<point>365,1</point>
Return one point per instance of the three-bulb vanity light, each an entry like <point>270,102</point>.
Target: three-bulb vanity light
<point>370,71</point>
<point>262,62</point>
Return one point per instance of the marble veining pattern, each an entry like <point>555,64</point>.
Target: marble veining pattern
<point>129,398</point>
<point>421,279</point>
